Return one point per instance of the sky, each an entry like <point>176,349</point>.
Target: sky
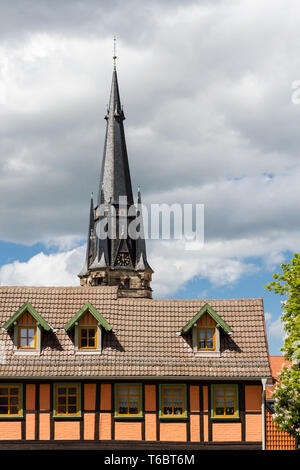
<point>207,89</point>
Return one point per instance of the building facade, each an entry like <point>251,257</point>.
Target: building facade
<point>104,365</point>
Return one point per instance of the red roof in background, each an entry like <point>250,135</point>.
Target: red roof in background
<point>276,362</point>
<point>276,439</point>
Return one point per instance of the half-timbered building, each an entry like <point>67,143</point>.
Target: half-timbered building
<point>104,365</point>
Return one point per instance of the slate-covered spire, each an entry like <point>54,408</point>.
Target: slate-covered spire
<point>114,256</point>
<point>90,247</point>
<point>141,256</point>
<point>115,175</point>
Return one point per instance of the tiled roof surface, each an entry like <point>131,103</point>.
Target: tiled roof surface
<point>145,340</point>
<point>276,363</point>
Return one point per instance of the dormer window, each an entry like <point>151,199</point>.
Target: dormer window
<point>27,326</point>
<point>88,332</point>
<point>206,333</point>
<point>27,333</point>
<point>88,325</point>
<point>27,337</point>
<point>205,329</point>
<point>87,337</point>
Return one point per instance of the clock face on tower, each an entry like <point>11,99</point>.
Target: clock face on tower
<point>123,258</point>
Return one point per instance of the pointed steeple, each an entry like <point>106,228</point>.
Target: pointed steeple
<point>114,255</point>
<point>90,247</point>
<point>141,256</point>
<point>102,255</point>
<point>115,175</point>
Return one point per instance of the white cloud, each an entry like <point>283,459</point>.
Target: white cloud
<point>222,263</point>
<point>206,88</point>
<point>275,329</point>
<point>58,269</point>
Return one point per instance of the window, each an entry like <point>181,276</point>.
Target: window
<point>27,327</point>
<point>172,401</point>
<point>27,337</point>
<point>206,333</point>
<point>87,337</point>
<point>224,401</point>
<point>128,400</point>
<point>206,338</point>
<point>67,400</point>
<point>10,400</point>
<point>89,326</point>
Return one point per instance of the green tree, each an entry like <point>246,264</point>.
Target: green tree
<point>287,391</point>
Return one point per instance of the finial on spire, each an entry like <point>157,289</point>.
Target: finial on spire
<point>114,56</point>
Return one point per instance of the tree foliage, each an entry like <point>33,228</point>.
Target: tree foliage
<point>287,391</point>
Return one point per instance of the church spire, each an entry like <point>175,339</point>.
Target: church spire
<point>115,175</point>
<point>116,257</point>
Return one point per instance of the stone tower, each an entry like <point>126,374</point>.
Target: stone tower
<point>113,256</point>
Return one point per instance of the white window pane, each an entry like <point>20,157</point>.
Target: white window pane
<point>31,342</point>
<point>30,332</point>
<point>23,332</point>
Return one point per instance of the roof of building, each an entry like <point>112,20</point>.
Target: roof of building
<point>276,363</point>
<point>146,339</point>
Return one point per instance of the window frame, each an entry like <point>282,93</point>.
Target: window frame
<point>16,340</point>
<point>87,327</point>
<point>27,327</point>
<point>161,394</point>
<point>236,402</point>
<point>140,401</point>
<point>97,349</point>
<point>205,328</point>
<point>20,415</point>
<point>57,415</point>
<point>206,352</point>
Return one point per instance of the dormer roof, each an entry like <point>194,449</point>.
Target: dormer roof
<point>88,307</point>
<point>26,307</point>
<point>210,311</point>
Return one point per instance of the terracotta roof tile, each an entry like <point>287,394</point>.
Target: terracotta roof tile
<point>144,340</point>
